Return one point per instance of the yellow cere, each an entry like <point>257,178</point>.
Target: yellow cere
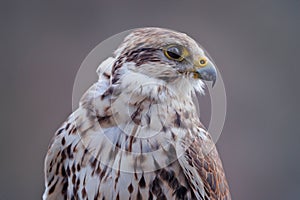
<point>203,62</point>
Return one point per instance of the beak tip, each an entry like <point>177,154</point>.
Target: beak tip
<point>214,81</point>
<point>208,74</point>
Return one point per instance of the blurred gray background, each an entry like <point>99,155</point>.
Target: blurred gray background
<point>254,43</point>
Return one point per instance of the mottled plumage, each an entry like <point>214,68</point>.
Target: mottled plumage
<point>136,133</point>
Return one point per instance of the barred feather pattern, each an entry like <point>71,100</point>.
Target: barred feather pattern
<point>134,137</point>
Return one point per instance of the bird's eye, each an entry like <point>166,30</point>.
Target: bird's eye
<point>203,62</point>
<point>174,53</point>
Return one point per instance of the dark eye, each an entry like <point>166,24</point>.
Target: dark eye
<point>174,53</point>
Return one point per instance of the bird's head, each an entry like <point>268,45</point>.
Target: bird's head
<point>166,56</point>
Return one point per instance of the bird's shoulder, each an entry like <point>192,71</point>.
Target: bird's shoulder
<point>203,168</point>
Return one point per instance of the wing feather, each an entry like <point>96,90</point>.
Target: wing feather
<point>203,168</point>
<point>56,180</point>
<point>59,153</point>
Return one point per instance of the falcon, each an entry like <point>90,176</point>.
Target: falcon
<point>136,133</point>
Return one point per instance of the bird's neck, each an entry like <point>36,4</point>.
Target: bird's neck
<point>137,101</point>
<point>153,106</point>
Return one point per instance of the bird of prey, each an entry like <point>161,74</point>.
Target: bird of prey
<point>136,133</point>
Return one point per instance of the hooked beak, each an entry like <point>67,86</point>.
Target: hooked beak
<point>205,70</point>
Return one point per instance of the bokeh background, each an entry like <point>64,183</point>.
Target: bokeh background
<point>255,44</point>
